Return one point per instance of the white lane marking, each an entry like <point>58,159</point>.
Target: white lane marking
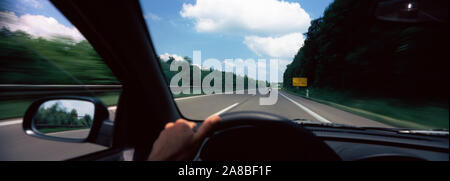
<point>224,93</point>
<point>226,109</point>
<point>313,114</point>
<point>220,93</point>
<point>190,97</point>
<point>72,131</point>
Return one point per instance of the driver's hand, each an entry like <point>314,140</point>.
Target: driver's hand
<point>178,141</point>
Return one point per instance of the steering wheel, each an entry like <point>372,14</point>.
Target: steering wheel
<point>251,135</point>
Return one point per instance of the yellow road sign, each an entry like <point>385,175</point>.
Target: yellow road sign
<point>300,81</point>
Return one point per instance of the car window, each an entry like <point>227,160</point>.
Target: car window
<point>320,61</point>
<point>42,54</point>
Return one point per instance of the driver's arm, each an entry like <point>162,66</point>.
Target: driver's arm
<point>178,141</point>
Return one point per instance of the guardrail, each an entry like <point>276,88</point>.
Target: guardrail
<point>20,91</point>
<point>14,91</point>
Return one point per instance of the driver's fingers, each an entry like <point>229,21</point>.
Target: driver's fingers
<point>169,125</point>
<point>206,127</point>
<point>190,124</point>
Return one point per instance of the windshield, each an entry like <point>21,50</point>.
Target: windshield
<point>343,61</point>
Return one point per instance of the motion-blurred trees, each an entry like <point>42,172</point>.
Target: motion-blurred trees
<point>28,60</point>
<point>348,50</point>
<point>165,66</point>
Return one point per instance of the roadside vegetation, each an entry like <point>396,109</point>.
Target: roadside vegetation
<point>165,66</point>
<point>28,60</point>
<point>396,73</point>
<point>62,61</point>
<point>389,111</point>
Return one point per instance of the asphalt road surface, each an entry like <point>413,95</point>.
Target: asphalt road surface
<point>15,145</point>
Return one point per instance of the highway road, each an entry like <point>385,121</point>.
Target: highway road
<point>15,145</point>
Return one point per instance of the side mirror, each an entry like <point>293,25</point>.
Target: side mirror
<point>69,119</point>
<point>412,11</point>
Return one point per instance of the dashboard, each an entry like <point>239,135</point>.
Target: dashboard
<point>349,144</point>
<point>379,145</point>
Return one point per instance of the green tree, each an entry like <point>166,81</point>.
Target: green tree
<point>349,51</point>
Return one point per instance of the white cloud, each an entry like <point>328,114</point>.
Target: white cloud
<point>39,26</point>
<point>262,17</point>
<point>261,65</point>
<point>269,28</point>
<point>229,63</point>
<point>285,46</point>
<point>153,17</point>
<point>282,64</point>
<point>166,57</point>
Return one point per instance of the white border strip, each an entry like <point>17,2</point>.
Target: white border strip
<point>313,114</point>
<point>14,121</point>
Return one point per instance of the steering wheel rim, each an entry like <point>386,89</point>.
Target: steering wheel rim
<point>230,121</point>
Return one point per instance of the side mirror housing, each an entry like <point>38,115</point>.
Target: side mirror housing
<point>412,11</point>
<point>73,119</point>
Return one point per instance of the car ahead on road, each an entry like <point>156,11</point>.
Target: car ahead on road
<point>118,32</point>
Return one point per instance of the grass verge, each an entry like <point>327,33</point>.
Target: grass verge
<point>390,111</point>
<point>53,130</point>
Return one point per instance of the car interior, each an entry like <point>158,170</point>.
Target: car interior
<point>118,32</point>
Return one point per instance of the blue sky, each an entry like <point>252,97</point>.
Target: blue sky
<point>36,7</point>
<point>38,18</point>
<point>220,29</point>
<point>174,34</point>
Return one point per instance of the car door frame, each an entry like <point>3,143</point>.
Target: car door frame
<point>118,32</point>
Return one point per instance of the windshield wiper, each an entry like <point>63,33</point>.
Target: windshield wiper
<point>307,122</point>
<point>429,132</point>
<point>434,132</point>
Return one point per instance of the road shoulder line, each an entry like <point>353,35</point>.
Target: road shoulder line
<point>312,113</point>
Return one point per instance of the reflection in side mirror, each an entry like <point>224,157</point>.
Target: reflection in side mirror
<point>65,118</point>
<point>73,119</point>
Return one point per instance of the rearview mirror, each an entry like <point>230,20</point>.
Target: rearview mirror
<point>69,119</point>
